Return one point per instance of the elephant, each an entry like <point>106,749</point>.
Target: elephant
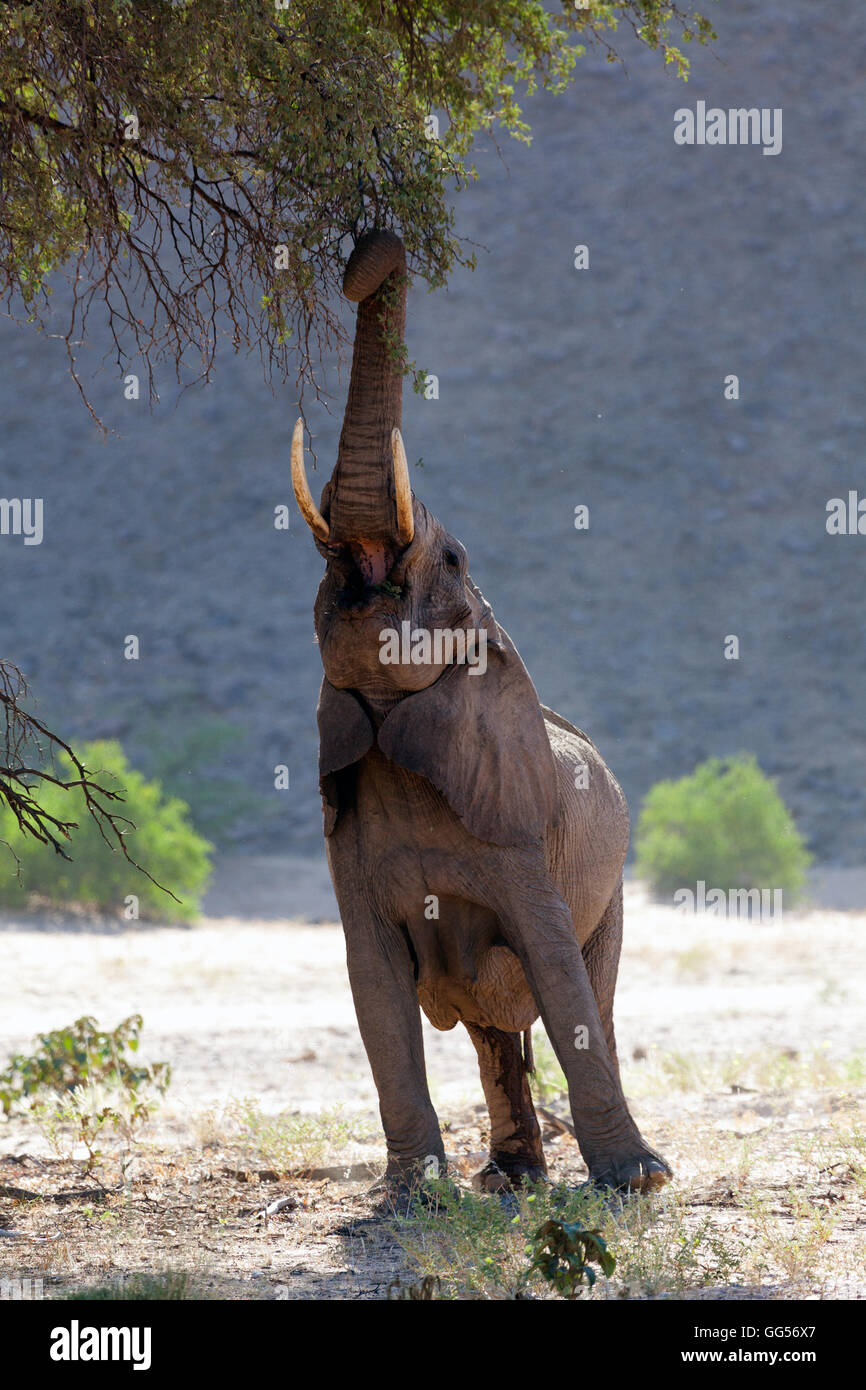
<point>475,838</point>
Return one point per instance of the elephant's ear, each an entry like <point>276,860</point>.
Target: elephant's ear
<point>345,735</point>
<point>480,739</point>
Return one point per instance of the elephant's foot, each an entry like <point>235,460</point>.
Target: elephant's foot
<point>398,1199</point>
<point>643,1171</point>
<point>507,1175</point>
<point>404,1188</point>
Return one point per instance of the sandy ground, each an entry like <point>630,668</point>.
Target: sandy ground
<point>243,1007</point>
<point>712,1016</point>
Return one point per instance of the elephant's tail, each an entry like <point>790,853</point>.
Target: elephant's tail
<point>528,1055</point>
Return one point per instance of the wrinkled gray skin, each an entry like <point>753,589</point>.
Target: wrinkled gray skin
<point>452,792</point>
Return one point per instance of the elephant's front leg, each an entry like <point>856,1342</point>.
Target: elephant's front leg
<point>386,1003</point>
<point>538,926</point>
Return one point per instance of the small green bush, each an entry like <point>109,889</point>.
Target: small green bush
<point>78,1055</point>
<point>564,1253</point>
<point>726,825</point>
<point>479,1247</point>
<point>163,842</point>
<point>81,1080</point>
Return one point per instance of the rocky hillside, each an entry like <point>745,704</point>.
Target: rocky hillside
<point>557,387</point>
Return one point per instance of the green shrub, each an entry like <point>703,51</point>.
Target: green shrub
<point>163,842</point>
<point>479,1247</point>
<point>726,825</point>
<point>81,1080</point>
<point>78,1055</point>
<point>564,1253</point>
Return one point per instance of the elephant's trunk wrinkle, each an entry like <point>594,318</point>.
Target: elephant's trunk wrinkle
<point>363,501</point>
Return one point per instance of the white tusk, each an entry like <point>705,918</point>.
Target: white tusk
<point>304,498</point>
<point>402,490</point>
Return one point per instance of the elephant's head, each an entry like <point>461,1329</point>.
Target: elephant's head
<point>394,572</point>
<point>389,562</point>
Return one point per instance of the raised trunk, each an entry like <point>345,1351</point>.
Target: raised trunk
<point>358,502</point>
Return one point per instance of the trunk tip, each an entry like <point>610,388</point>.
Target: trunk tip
<point>376,255</point>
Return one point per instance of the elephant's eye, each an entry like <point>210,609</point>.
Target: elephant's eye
<point>451,560</point>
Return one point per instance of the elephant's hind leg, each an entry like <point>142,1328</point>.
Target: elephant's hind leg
<point>601,958</point>
<point>515,1137</point>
